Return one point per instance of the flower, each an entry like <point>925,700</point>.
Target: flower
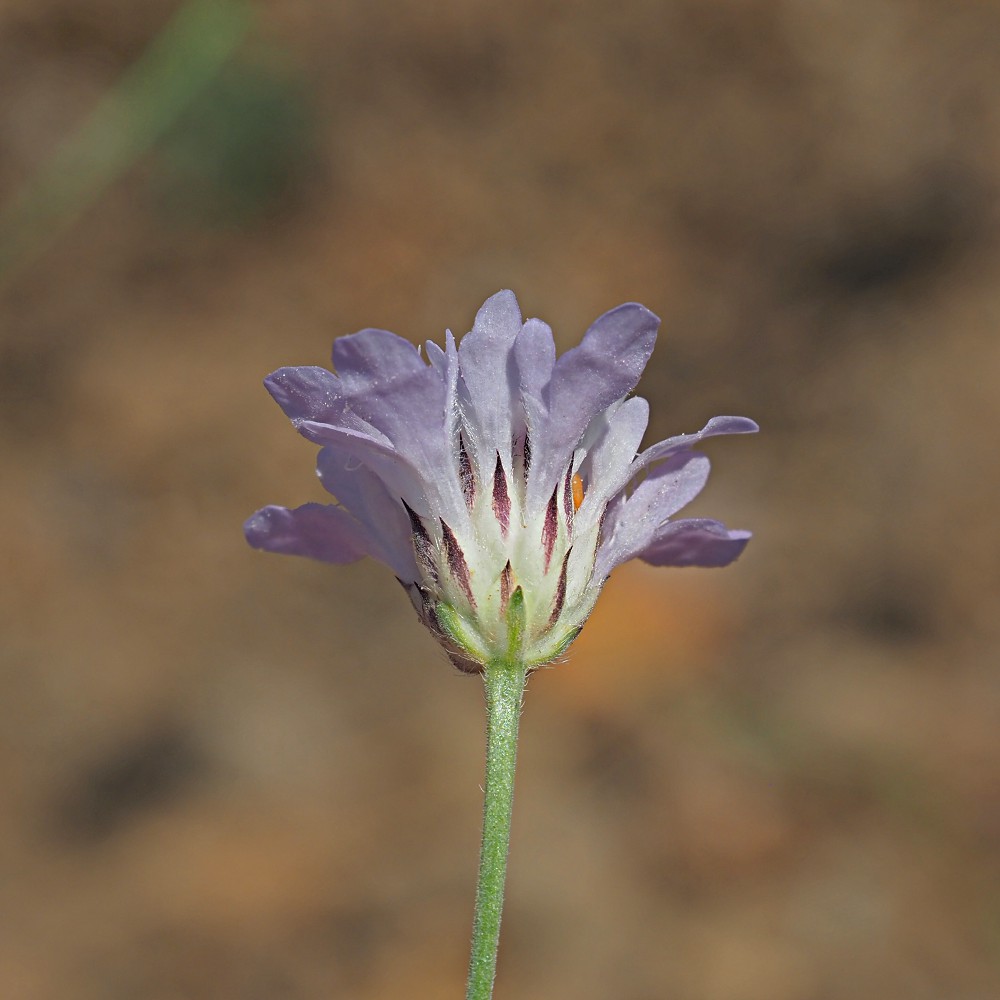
<point>501,485</point>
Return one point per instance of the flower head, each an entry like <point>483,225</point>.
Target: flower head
<point>500,484</point>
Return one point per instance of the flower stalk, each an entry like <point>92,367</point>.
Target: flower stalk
<point>504,681</point>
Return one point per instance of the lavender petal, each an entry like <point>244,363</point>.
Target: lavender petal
<point>534,359</point>
<point>314,530</point>
<point>487,387</point>
<point>405,415</point>
<point>363,493</point>
<point>586,380</point>
<point>672,445</point>
<point>695,542</point>
<point>413,413</point>
<point>372,357</point>
<point>633,522</point>
<point>310,395</point>
<point>605,469</point>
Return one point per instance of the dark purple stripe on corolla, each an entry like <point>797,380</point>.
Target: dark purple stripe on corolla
<point>560,598</point>
<point>456,562</point>
<point>550,528</point>
<point>466,474</point>
<point>423,547</point>
<point>501,498</point>
<point>568,498</point>
<point>506,581</point>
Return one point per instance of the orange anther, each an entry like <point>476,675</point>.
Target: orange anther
<point>577,491</point>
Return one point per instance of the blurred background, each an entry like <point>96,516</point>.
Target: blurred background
<point>230,775</point>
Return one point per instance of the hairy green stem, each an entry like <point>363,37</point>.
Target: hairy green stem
<point>504,689</point>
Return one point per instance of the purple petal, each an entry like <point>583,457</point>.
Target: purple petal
<point>535,356</point>
<point>695,542</point>
<point>715,426</point>
<point>413,414</point>
<point>315,530</point>
<point>632,523</point>
<point>488,387</point>
<point>393,406</point>
<point>398,425</point>
<point>386,528</point>
<point>445,362</point>
<point>587,379</point>
<point>535,359</point>
<point>606,466</point>
<point>309,394</point>
<point>400,477</point>
<point>373,357</point>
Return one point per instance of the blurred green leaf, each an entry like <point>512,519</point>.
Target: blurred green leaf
<point>176,67</point>
<point>238,148</point>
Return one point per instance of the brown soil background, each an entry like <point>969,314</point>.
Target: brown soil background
<point>225,775</point>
